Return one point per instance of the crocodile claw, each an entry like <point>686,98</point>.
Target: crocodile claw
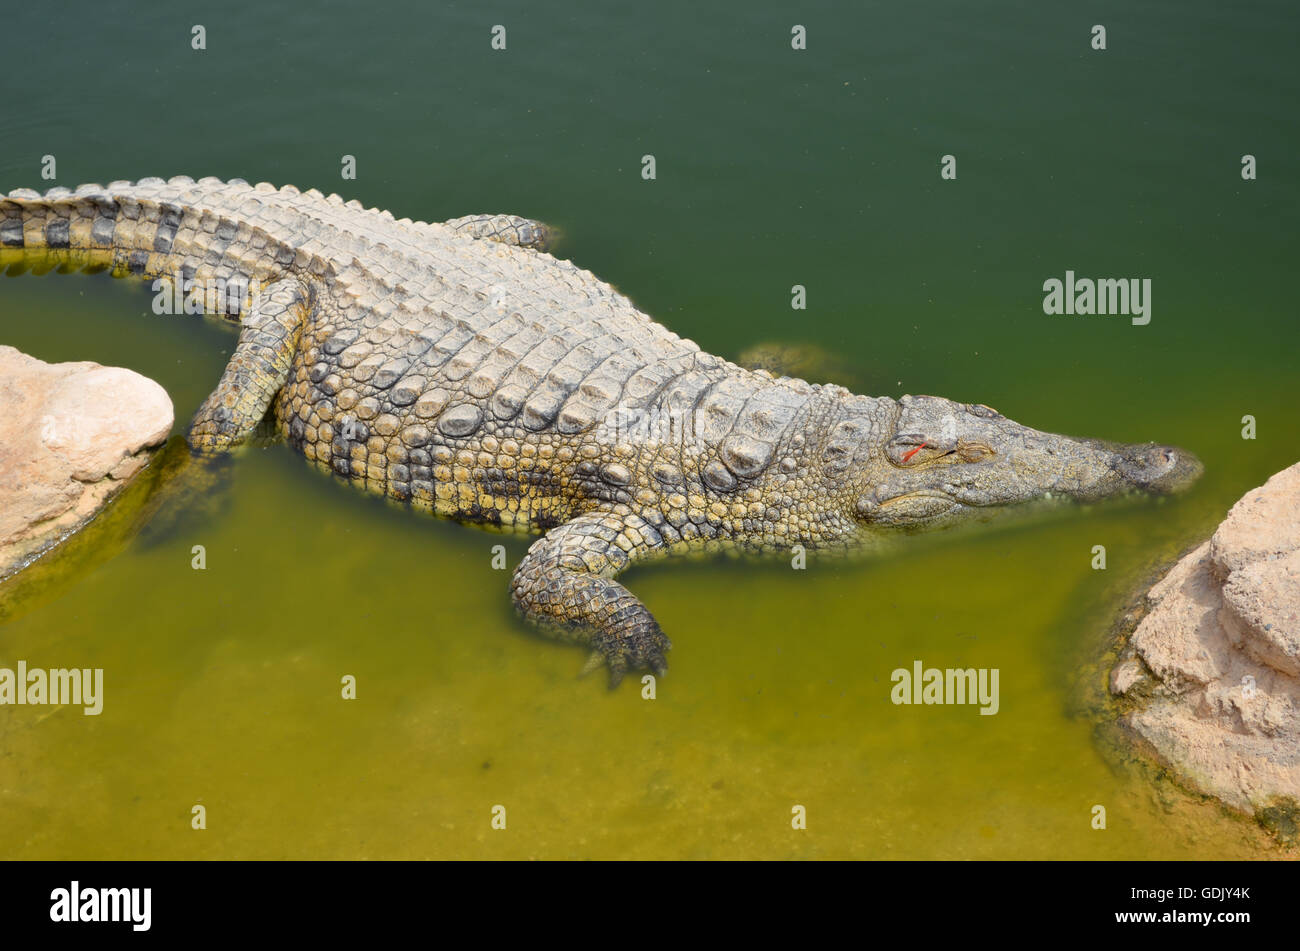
<point>595,660</point>
<point>620,662</point>
<point>617,664</point>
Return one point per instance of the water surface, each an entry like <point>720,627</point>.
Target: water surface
<point>775,168</point>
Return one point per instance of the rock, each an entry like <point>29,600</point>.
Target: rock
<point>71,436</point>
<point>1259,610</point>
<point>804,360</point>
<point>1222,644</point>
<point>1264,524</point>
<point>1126,675</point>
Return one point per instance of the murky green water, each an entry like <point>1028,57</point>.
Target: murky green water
<point>774,168</point>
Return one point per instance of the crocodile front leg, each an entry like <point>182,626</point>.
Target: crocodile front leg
<point>256,371</point>
<point>565,585</point>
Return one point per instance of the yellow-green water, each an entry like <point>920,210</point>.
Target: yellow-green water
<point>223,685</point>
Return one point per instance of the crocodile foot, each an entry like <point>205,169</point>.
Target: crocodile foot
<point>565,585</point>
<point>623,653</point>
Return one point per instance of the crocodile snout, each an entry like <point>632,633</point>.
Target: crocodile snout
<point>1158,469</point>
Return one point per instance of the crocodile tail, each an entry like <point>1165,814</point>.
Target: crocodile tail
<point>71,230</point>
<point>128,229</point>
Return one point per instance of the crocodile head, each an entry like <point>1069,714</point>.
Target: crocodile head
<point>941,461</point>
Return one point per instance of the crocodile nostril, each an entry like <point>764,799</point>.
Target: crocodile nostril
<point>1146,465</point>
<point>1161,459</point>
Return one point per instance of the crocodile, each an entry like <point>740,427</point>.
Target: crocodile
<point>461,369</point>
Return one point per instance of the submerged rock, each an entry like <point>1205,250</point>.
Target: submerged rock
<point>1215,664</point>
<point>806,361</point>
<point>71,436</point>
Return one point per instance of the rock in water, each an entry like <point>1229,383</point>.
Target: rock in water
<point>71,436</point>
<point>805,360</point>
<point>1217,658</point>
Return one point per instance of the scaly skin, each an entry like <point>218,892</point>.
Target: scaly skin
<point>461,370</point>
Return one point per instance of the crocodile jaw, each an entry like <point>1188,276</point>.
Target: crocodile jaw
<point>944,461</point>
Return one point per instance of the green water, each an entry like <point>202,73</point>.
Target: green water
<point>775,168</point>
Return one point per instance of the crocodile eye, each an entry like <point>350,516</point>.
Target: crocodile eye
<point>982,411</point>
<point>914,449</point>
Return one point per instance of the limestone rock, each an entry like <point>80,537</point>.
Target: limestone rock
<point>1222,645</point>
<point>71,436</point>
